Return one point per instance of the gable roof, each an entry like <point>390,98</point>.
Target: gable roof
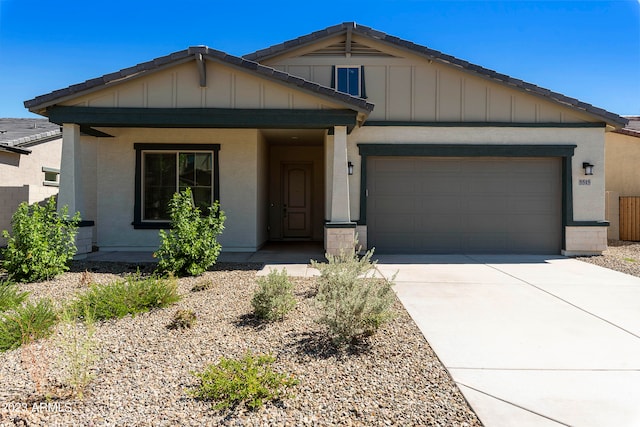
<point>632,128</point>
<point>17,134</point>
<point>349,28</point>
<point>39,103</point>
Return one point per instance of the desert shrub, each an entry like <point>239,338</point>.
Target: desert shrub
<point>26,323</point>
<point>10,295</point>
<point>77,348</point>
<point>42,244</point>
<point>202,285</point>
<point>249,381</point>
<point>191,246</point>
<point>131,295</point>
<point>182,319</point>
<point>274,297</point>
<point>352,303</point>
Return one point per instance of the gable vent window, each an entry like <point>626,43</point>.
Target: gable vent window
<point>349,80</point>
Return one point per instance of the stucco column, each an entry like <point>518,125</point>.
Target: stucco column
<point>70,193</point>
<point>340,179</point>
<point>339,232</point>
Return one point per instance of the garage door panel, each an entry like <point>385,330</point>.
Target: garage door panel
<point>440,203</point>
<point>395,205</point>
<point>398,183</point>
<point>464,205</point>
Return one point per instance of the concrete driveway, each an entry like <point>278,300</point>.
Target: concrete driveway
<point>530,340</point>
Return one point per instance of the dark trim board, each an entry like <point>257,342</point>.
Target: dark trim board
<point>564,151</point>
<point>137,223</point>
<point>239,118</point>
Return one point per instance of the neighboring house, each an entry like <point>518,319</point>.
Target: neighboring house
<point>622,158</point>
<point>340,132</point>
<point>29,164</point>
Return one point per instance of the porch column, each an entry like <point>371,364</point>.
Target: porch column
<point>339,231</point>
<point>70,192</point>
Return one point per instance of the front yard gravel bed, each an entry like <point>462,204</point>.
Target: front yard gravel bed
<point>620,256</point>
<point>145,368</point>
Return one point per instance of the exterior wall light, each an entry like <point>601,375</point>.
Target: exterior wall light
<point>350,168</point>
<point>588,168</point>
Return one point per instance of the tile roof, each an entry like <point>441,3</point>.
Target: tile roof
<point>435,55</point>
<point>632,128</point>
<point>189,54</point>
<point>17,134</point>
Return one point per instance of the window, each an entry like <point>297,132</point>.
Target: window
<point>163,169</point>
<point>51,177</point>
<point>348,80</point>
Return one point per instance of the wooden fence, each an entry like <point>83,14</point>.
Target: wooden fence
<point>630,218</point>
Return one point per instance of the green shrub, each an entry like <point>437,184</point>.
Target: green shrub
<point>42,244</point>
<point>182,319</point>
<point>249,381</point>
<point>352,303</point>
<point>202,285</point>
<point>191,246</point>
<point>26,323</point>
<point>10,296</point>
<point>132,295</point>
<point>274,297</point>
<point>78,349</point>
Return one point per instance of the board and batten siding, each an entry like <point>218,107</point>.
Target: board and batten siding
<point>406,86</point>
<point>179,87</point>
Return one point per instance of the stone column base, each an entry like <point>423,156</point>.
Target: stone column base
<point>84,239</point>
<point>580,241</point>
<point>339,237</point>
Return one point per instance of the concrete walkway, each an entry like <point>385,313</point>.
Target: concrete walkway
<point>530,340</point>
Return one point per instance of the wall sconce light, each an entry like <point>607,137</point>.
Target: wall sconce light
<point>350,168</point>
<point>588,168</point>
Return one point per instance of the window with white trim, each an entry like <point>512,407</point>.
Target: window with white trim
<point>162,170</point>
<point>51,176</point>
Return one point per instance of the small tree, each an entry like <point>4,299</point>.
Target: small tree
<point>191,246</point>
<point>42,244</point>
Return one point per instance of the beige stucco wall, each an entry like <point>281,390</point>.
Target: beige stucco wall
<point>622,175</point>
<point>588,200</point>
<point>21,178</point>
<point>114,182</point>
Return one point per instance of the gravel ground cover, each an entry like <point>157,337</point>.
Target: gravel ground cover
<point>145,368</point>
<point>620,256</point>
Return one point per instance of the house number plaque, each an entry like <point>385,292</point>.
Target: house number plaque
<point>584,182</point>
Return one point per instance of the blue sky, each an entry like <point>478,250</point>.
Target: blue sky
<point>588,50</point>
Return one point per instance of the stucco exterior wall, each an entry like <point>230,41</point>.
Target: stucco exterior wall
<point>115,186</point>
<point>622,175</point>
<point>588,200</point>
<point>21,179</point>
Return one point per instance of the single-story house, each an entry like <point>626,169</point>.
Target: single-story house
<point>342,132</point>
<point>29,164</point>
<point>622,175</point>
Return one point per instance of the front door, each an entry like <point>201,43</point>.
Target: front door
<point>296,200</point>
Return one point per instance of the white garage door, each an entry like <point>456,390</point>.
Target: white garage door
<point>464,205</point>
